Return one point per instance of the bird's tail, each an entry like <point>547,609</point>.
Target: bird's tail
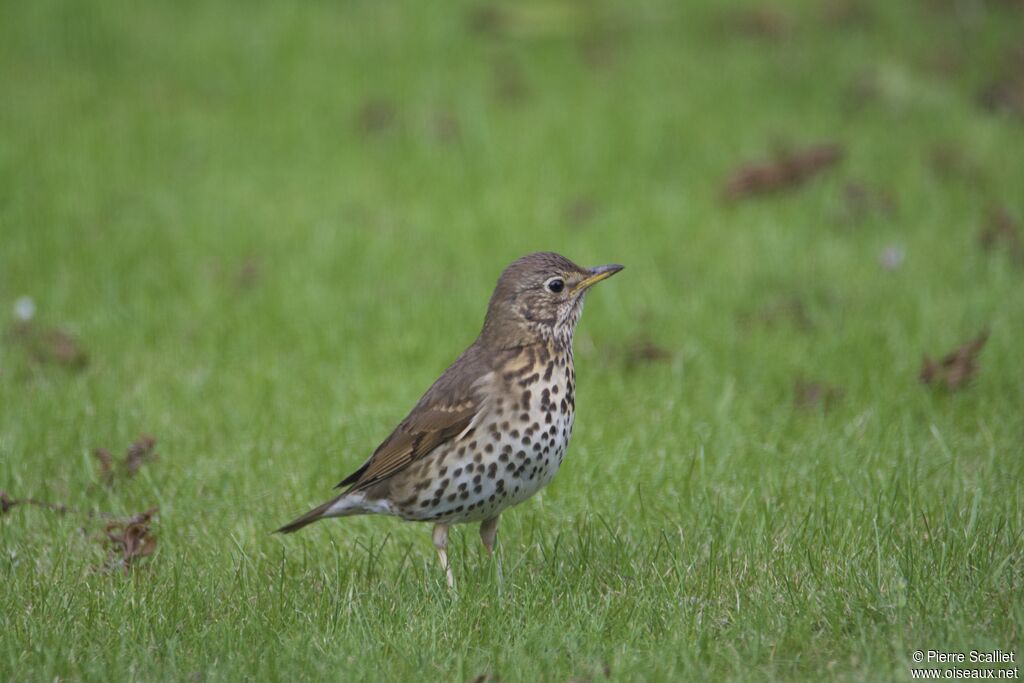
<point>314,515</point>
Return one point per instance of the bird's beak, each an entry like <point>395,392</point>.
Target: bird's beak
<point>596,275</point>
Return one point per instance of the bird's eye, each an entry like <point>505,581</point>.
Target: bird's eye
<point>556,284</point>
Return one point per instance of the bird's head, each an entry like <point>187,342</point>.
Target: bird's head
<point>538,297</point>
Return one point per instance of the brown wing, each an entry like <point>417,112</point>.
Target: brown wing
<point>447,410</point>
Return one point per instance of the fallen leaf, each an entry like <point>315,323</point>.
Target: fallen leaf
<point>63,348</point>
<point>1004,94</point>
<point>956,8</point>
<point>809,395</point>
<point>510,83</point>
<point>7,503</point>
<point>950,162</point>
<point>786,171</point>
<point>847,13</point>
<point>138,453</point>
<point>595,40</point>
<point>129,539</point>
<point>1002,231</point>
<point>790,309</point>
<point>488,19</point>
<point>106,461</point>
<point>529,21</point>
<point>376,116</point>
<point>598,49</point>
<point>946,60</point>
<point>250,272</point>
<point>861,201</point>
<point>642,351</point>
<point>447,127</point>
<point>579,211</point>
<point>49,345</point>
<point>132,538</point>
<point>956,368</point>
<point>765,23</point>
<point>861,91</point>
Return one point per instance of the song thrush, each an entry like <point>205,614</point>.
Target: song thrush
<point>493,429</point>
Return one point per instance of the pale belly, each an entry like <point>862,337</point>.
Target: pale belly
<point>512,454</point>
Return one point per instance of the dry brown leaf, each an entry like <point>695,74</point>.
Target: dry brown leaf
<point>861,91</point>
<point>642,351</point>
<point>955,369</point>
<point>6,503</point>
<point>579,211</point>
<point>50,345</point>
<point>950,161</point>
<point>955,8</point>
<point>447,127</point>
<point>488,19</point>
<point>1002,231</point>
<point>791,309</point>
<point>250,272</point>
<point>376,116</point>
<point>106,460</point>
<point>131,539</point>
<point>765,23</point>
<point>599,49</point>
<point>510,84</point>
<point>1004,95</point>
<point>486,678</point>
<point>945,60</point>
<point>861,202</point>
<point>847,13</point>
<point>786,171</point>
<point>532,20</point>
<point>62,347</point>
<point>139,452</point>
<point>809,394</point>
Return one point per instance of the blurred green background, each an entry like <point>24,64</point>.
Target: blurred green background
<point>258,231</point>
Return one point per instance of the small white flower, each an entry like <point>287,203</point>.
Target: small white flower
<point>25,308</point>
<point>892,257</point>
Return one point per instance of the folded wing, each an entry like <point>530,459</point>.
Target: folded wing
<point>452,406</point>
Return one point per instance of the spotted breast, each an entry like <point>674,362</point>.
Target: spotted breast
<point>513,451</point>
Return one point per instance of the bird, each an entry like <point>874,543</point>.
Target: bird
<point>494,428</point>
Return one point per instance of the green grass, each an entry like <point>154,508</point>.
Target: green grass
<point>267,288</point>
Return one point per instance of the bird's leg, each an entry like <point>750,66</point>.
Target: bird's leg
<point>488,534</point>
<point>441,543</point>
